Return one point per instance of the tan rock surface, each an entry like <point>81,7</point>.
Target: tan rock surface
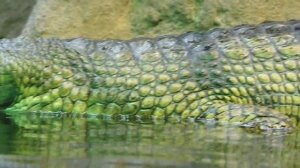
<point>75,18</point>
<point>124,19</point>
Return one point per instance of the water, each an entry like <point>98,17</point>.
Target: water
<point>33,141</point>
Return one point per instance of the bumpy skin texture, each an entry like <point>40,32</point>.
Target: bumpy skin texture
<point>248,74</point>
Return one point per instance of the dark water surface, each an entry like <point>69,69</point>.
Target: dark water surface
<point>32,141</point>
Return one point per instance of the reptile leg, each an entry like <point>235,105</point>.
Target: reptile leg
<point>252,116</point>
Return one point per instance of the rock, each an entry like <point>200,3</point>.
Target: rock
<point>95,19</point>
<point>125,19</point>
<point>224,13</point>
<point>13,16</point>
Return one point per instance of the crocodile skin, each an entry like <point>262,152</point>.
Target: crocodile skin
<point>247,74</point>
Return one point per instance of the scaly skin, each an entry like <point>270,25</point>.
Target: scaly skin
<point>247,75</point>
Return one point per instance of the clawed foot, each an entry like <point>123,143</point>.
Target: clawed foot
<point>268,123</point>
<point>252,117</point>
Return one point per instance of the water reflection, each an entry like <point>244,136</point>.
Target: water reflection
<point>33,141</point>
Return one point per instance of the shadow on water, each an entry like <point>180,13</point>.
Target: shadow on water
<point>33,141</point>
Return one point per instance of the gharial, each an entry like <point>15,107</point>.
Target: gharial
<point>247,74</point>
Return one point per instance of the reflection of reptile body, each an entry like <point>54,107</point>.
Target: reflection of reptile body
<point>248,74</point>
<point>88,142</point>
